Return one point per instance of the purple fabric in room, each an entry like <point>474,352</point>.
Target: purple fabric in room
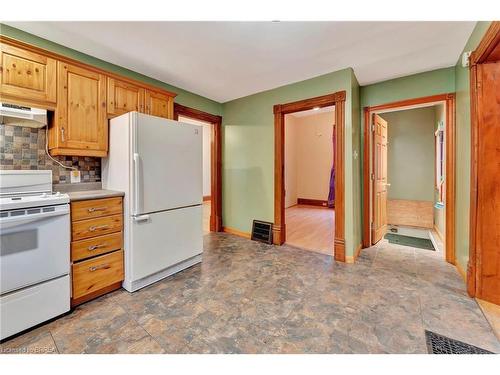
<point>331,194</point>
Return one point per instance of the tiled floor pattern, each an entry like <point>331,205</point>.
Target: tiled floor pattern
<point>248,297</point>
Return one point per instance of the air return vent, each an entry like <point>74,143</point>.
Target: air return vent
<point>262,231</point>
<point>438,344</point>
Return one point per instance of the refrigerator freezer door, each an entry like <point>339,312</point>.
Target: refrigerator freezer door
<point>167,164</point>
<point>163,239</point>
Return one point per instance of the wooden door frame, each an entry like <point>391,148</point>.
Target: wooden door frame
<point>481,55</point>
<point>336,99</point>
<point>215,162</point>
<point>450,134</point>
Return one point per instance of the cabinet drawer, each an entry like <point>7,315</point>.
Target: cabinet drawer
<point>96,227</point>
<point>95,208</point>
<point>94,274</point>
<point>96,246</point>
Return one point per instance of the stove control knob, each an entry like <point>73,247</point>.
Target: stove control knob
<point>44,195</point>
<point>58,194</point>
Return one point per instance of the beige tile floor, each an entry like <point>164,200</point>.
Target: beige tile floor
<point>248,297</point>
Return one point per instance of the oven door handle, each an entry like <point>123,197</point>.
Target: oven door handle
<point>12,222</point>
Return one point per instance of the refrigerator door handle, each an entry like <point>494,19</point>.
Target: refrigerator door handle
<point>141,218</point>
<point>136,184</point>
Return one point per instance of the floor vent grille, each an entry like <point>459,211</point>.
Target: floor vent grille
<point>262,231</point>
<point>438,344</point>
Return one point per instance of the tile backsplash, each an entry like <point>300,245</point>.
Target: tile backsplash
<point>24,148</point>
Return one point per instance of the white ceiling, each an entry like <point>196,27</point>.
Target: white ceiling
<point>229,60</point>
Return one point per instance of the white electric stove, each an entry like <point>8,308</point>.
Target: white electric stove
<point>34,251</point>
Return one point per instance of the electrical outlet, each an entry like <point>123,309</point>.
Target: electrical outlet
<point>75,177</point>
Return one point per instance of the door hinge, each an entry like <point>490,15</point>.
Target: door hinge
<point>372,176</point>
<point>372,225</point>
<point>373,127</point>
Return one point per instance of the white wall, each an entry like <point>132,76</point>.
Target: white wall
<point>207,135</point>
<point>308,156</point>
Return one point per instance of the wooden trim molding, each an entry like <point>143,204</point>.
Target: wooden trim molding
<point>488,48</point>
<point>280,110</point>
<point>216,160</point>
<point>487,51</point>
<point>207,198</point>
<point>450,131</point>
<point>312,202</point>
<point>236,232</point>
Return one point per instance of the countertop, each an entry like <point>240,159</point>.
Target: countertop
<point>93,194</point>
<point>86,190</point>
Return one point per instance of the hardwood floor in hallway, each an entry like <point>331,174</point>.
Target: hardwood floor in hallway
<point>250,297</point>
<point>310,228</point>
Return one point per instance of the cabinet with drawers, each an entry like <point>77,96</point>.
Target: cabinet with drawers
<point>96,248</point>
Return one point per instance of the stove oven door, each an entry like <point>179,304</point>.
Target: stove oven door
<point>34,246</point>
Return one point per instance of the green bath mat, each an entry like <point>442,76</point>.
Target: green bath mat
<point>421,243</point>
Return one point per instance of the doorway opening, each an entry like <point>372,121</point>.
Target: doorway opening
<point>336,243</point>
<point>310,179</point>
<point>409,173</point>
<point>212,155</point>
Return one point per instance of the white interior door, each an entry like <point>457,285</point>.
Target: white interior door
<point>168,164</point>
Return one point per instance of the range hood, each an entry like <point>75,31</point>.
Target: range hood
<point>23,116</point>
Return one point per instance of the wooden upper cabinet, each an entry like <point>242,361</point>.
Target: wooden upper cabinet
<point>124,97</point>
<point>27,76</point>
<point>81,124</point>
<point>159,104</point>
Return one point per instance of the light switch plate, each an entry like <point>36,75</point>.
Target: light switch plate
<point>75,177</point>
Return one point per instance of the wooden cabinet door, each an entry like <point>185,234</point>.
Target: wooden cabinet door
<point>124,97</point>
<point>159,104</point>
<point>488,183</point>
<point>27,75</point>
<point>81,122</point>
<point>380,183</point>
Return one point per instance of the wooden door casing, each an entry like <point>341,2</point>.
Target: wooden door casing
<point>380,178</point>
<point>81,123</point>
<point>27,75</point>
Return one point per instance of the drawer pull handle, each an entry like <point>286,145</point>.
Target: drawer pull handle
<point>94,209</point>
<point>95,247</point>
<point>100,267</point>
<point>99,227</point>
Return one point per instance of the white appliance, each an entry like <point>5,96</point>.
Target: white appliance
<point>21,115</point>
<point>158,164</point>
<point>34,251</point>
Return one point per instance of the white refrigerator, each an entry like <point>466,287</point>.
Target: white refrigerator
<point>158,164</point>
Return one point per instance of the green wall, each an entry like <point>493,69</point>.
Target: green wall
<point>463,147</point>
<point>183,97</point>
<point>410,165</point>
<point>248,150</point>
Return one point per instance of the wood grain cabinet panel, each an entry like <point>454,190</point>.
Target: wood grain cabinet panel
<point>159,104</point>
<point>95,208</point>
<point>92,275</point>
<point>124,97</point>
<point>27,75</point>
<point>81,124</point>
<point>94,246</point>
<point>96,227</point>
